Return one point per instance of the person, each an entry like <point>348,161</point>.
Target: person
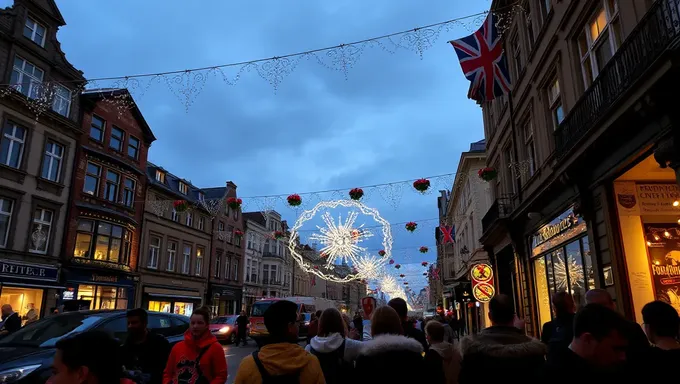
<point>313,326</point>
<point>558,333</point>
<point>448,331</point>
<point>442,359</point>
<point>598,347</point>
<point>389,356</point>
<point>32,315</point>
<point>358,324</point>
<point>87,358</point>
<point>144,353</point>
<point>399,305</point>
<point>661,326</point>
<point>335,351</point>
<point>199,358</point>
<point>242,322</point>
<point>282,360</point>
<point>454,324</point>
<point>511,355</point>
<point>11,321</point>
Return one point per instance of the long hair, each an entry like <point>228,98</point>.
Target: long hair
<point>386,321</point>
<point>331,322</point>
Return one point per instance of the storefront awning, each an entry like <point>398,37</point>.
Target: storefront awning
<point>171,293</point>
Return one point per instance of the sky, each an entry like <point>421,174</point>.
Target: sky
<point>395,117</point>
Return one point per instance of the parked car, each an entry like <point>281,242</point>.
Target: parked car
<point>225,328</point>
<point>26,355</point>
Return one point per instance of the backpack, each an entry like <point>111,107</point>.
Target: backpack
<point>293,378</point>
<point>335,368</point>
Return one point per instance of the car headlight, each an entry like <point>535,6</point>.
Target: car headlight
<point>15,374</point>
<point>224,330</point>
<point>307,323</point>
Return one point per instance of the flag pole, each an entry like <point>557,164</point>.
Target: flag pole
<point>513,129</point>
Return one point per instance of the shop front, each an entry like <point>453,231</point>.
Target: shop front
<point>31,289</point>
<point>226,300</point>
<point>102,289</point>
<point>171,295</point>
<point>561,262</point>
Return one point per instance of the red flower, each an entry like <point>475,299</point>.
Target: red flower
<point>391,261</point>
<point>356,193</point>
<point>238,233</point>
<point>402,275</point>
<point>278,235</point>
<point>424,263</point>
<point>411,226</point>
<point>316,267</point>
<point>180,205</point>
<point>424,249</point>
<point>294,200</point>
<point>487,173</point>
<point>234,202</point>
<point>405,282</point>
<point>421,185</point>
<point>381,252</point>
<point>397,266</point>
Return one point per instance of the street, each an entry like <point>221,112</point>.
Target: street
<point>236,354</point>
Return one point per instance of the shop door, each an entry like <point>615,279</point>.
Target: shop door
<point>507,275</point>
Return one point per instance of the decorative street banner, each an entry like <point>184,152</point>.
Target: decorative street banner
<point>663,247</point>
<point>482,282</point>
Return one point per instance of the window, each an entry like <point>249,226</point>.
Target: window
<point>220,226</point>
<point>555,103</point>
<point>112,181</point>
<point>133,147</point>
<point>154,251</point>
<point>40,230</point>
<point>186,259</point>
<point>172,253</point>
<point>183,188</point>
<point>160,176</point>
<point>117,138</point>
<point>104,297</point>
<point>201,223</point>
<point>546,6</point>
<point>6,207</point>
<point>529,25</point>
<point>97,128</point>
<point>61,101</point>
<point>12,149</point>
<point>218,264</point>
<point>234,271</point>
<point>509,171</point>
<point>230,234</point>
<point>227,261</point>
<point>174,216</point>
<point>51,167</point>
<point>530,148</point>
<point>199,260</point>
<point>129,192</point>
<point>27,78</point>
<point>237,241</point>
<point>599,40</point>
<point>34,31</point>
<point>189,219</point>
<point>92,175</point>
<point>103,241</point>
<point>517,57</point>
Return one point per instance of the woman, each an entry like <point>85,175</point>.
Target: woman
<point>199,358</point>
<point>389,357</point>
<point>661,326</point>
<point>332,338</point>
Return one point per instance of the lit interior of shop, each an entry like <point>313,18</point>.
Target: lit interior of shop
<point>26,302</point>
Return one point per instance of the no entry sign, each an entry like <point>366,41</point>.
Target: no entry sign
<point>482,282</point>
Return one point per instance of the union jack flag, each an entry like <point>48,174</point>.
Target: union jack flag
<point>483,61</point>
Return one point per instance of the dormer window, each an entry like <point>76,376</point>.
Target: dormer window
<point>201,196</point>
<point>160,176</point>
<point>34,31</point>
<point>183,188</point>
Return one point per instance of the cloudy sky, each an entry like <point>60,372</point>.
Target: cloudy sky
<point>395,117</point>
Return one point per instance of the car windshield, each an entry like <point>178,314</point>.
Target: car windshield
<point>259,308</point>
<point>220,320</point>
<point>46,332</point>
<point>308,316</point>
<point>231,320</point>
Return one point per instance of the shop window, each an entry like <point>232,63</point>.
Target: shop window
<point>160,306</point>
<point>184,308</point>
<point>103,241</point>
<point>104,297</point>
<point>26,302</point>
<point>41,230</point>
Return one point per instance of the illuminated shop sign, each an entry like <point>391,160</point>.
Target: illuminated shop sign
<point>560,230</point>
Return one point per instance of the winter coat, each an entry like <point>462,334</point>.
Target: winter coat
<point>180,366</point>
<point>149,357</point>
<point>557,335</point>
<point>390,359</point>
<point>450,360</point>
<point>281,359</point>
<point>502,354</point>
<point>332,342</point>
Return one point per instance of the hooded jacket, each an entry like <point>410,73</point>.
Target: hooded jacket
<point>281,359</point>
<point>514,356</point>
<point>332,342</point>
<point>390,359</point>
<point>213,363</point>
<point>449,357</point>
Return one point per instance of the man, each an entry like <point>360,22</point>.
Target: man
<point>144,352</point>
<point>399,305</point>
<point>442,359</point>
<point>283,358</point>
<point>32,315</point>
<point>242,326</point>
<point>598,347</point>
<point>502,352</point>
<point>88,357</point>
<point>558,333</point>
<point>11,322</point>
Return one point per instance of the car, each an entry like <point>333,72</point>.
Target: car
<point>225,328</point>
<point>26,355</point>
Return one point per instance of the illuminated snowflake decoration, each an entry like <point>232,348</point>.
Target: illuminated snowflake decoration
<point>341,240</point>
<point>575,273</point>
<point>369,267</point>
<point>388,284</point>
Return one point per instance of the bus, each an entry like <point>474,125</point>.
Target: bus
<point>258,331</point>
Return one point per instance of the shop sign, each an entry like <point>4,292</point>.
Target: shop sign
<point>100,264</point>
<point>104,279</point>
<point>76,275</point>
<point>482,282</point>
<point>663,247</point>
<point>558,226</point>
<point>226,292</point>
<point>634,199</point>
<point>28,271</point>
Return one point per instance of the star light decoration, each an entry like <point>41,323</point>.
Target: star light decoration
<point>341,240</point>
<point>575,273</point>
<point>368,267</point>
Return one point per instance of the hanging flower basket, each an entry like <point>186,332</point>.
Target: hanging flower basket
<point>424,263</point>
<point>356,193</point>
<point>424,249</point>
<point>381,252</point>
<point>238,233</point>
<point>294,200</point>
<point>278,235</point>
<point>424,273</point>
<point>391,261</point>
<point>402,275</point>
<point>405,282</point>
<point>411,226</point>
<point>180,205</point>
<point>234,202</point>
<point>421,185</point>
<point>487,173</point>
<point>397,266</point>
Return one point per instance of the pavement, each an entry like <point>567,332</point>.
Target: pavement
<point>236,354</point>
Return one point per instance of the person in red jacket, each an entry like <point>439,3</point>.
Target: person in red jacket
<point>199,358</point>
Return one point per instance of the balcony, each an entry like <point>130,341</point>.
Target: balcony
<point>500,209</point>
<point>271,282</point>
<point>272,255</point>
<point>653,36</point>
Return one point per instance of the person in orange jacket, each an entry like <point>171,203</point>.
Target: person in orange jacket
<point>199,358</point>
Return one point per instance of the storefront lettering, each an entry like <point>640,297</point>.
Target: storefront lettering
<point>666,270</point>
<point>104,279</point>
<point>549,231</point>
<point>28,271</point>
<point>658,191</point>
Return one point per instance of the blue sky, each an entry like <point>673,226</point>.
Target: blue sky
<point>396,117</point>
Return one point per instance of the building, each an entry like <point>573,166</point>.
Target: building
<point>583,198</point>
<point>104,225</point>
<point>38,143</point>
<point>175,247</point>
<point>444,264</point>
<point>302,281</point>
<point>225,288</point>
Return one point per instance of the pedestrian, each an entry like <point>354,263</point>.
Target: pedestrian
<point>335,351</point>
<point>399,305</point>
<point>442,359</point>
<point>661,323</point>
<point>87,358</point>
<point>358,325</point>
<point>11,321</point>
<point>598,348</point>
<point>389,357</point>
<point>502,351</point>
<point>558,332</point>
<point>455,326</point>
<point>282,360</point>
<point>313,325</point>
<point>144,353</point>
<point>242,322</point>
<point>448,331</point>
<point>199,358</point>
